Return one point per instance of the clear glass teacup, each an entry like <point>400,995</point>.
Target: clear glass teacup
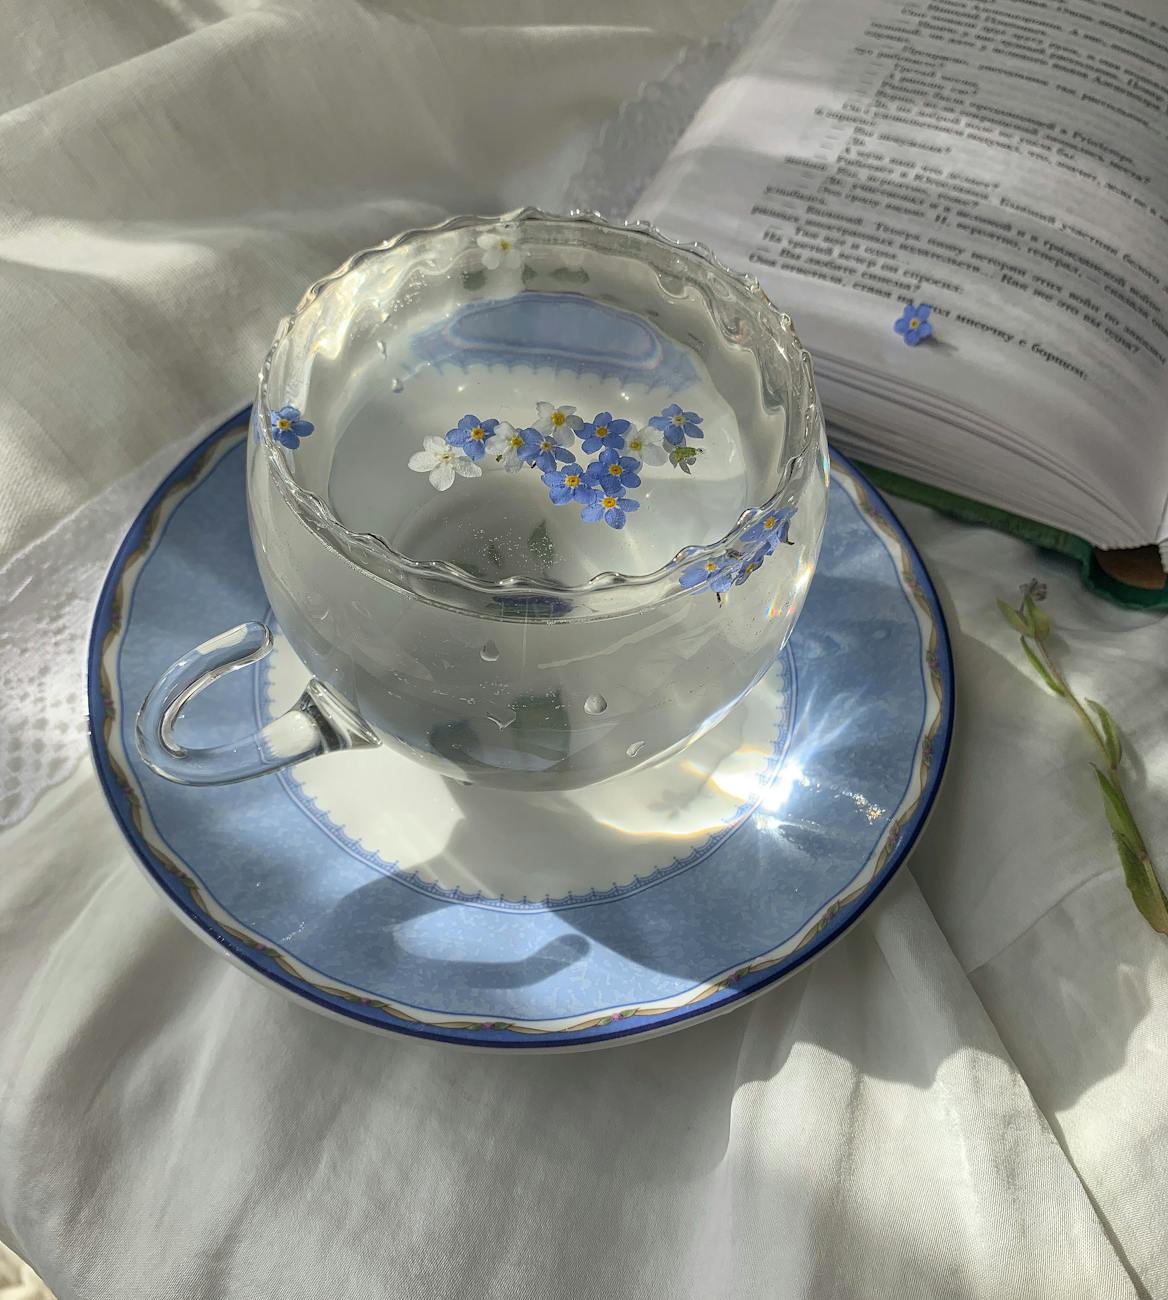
<point>536,499</point>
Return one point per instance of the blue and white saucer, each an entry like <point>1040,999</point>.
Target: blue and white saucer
<point>374,890</point>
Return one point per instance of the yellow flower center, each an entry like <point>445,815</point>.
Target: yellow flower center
<point>608,502</point>
<point>571,480</point>
<point>478,434</point>
<point>615,469</point>
<point>504,244</point>
<point>558,418</point>
<point>769,521</point>
<point>283,423</point>
<point>517,441</point>
<point>711,566</point>
<point>634,444</point>
<point>546,445</point>
<point>602,430</point>
<point>679,419</point>
<point>914,323</point>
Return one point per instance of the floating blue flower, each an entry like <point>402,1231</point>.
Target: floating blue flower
<point>544,450</point>
<point>771,528</point>
<point>614,469</point>
<point>604,433</point>
<point>472,435</point>
<point>611,505</point>
<point>566,485</point>
<point>288,428</point>
<point>751,565</point>
<point>913,324</point>
<point>677,425</point>
<point>719,571</point>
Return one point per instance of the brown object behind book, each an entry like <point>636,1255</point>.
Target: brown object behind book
<point>1140,566</point>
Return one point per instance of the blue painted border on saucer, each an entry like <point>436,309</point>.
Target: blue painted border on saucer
<point>265,961</point>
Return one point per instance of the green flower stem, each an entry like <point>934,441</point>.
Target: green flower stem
<point>1072,699</point>
<point>1139,873</point>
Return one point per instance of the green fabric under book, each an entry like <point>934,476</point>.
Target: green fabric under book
<point>1042,535</point>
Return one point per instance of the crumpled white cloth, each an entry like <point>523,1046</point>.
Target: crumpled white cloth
<point>962,1098</point>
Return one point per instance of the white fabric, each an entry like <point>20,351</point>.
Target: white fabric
<point>192,192</point>
<point>963,1098</point>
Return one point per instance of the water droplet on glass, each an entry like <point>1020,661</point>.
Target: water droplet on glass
<point>489,652</point>
<point>595,704</point>
<point>635,748</point>
<point>381,346</point>
<point>397,386</point>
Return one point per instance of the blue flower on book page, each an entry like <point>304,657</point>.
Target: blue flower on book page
<point>914,324</point>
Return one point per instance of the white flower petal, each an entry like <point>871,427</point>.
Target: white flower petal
<point>465,468</point>
<point>491,259</point>
<point>511,258</point>
<point>488,240</point>
<point>442,476</point>
<point>422,461</point>
<point>436,444</point>
<point>501,438</point>
<point>653,455</point>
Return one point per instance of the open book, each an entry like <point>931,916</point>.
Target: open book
<point>1004,162</point>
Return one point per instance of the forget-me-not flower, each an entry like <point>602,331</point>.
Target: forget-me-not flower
<point>611,505</point>
<point>560,420</point>
<point>544,451</point>
<point>443,462</point>
<point>604,433</point>
<point>472,435</point>
<point>568,484</point>
<point>647,445</point>
<point>913,324</point>
<point>288,427</point>
<point>506,445</point>
<point>719,571</point>
<point>611,468</point>
<point>677,425</point>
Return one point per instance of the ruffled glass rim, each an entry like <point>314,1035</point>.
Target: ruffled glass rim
<point>374,554</point>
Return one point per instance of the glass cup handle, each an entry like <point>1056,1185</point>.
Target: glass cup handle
<point>318,723</point>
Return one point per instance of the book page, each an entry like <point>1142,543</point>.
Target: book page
<point>1004,162</point>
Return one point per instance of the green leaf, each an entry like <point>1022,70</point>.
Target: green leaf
<point>1015,620</point>
<point>1144,888</point>
<point>474,279</point>
<point>1111,740</point>
<point>1040,668</point>
<point>683,458</point>
<point>1138,872</point>
<point>540,544</point>
<point>1119,816</point>
<point>1037,618</point>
